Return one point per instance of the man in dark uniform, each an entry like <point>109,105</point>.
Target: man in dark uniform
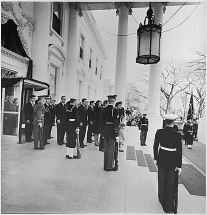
<point>168,154</point>
<point>72,129</point>
<point>28,112</point>
<point>189,133</point>
<point>39,111</point>
<point>195,128</point>
<point>144,129</point>
<point>82,110</point>
<point>110,119</point>
<point>47,120</point>
<point>61,120</point>
<point>91,117</point>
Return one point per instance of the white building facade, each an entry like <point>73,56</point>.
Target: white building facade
<point>66,49</point>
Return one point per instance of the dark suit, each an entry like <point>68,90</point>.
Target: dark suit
<point>47,122</point>
<point>91,117</point>
<point>53,110</point>
<point>110,120</point>
<point>61,127</point>
<point>144,129</point>
<point>82,111</point>
<point>28,112</point>
<point>167,161</point>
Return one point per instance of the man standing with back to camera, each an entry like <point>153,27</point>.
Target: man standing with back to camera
<point>168,153</point>
<point>110,121</point>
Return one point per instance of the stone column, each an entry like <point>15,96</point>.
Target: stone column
<point>121,56</point>
<point>155,120</point>
<point>73,55</point>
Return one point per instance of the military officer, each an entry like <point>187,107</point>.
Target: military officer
<point>189,133</point>
<point>168,154</point>
<point>110,119</point>
<point>47,120</point>
<point>72,128</point>
<point>144,128</point>
<point>39,111</point>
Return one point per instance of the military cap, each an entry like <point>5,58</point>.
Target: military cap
<point>112,97</point>
<point>32,96</point>
<point>171,117</point>
<point>119,103</point>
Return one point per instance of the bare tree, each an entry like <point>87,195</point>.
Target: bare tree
<point>173,81</point>
<point>197,78</point>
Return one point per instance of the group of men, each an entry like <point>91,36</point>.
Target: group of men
<point>72,121</point>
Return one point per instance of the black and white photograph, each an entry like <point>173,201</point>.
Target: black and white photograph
<point>103,107</point>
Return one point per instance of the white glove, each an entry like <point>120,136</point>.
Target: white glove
<point>58,121</point>
<point>117,139</point>
<point>179,170</point>
<point>77,130</point>
<point>40,125</point>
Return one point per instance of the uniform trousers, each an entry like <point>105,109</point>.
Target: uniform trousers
<point>166,186</point>
<point>71,135</point>
<point>109,147</point>
<point>89,133</point>
<point>61,130</point>
<point>82,134</point>
<point>143,136</point>
<point>50,129</point>
<point>38,137</point>
<point>28,130</point>
<point>46,130</point>
<point>116,151</point>
<point>101,145</point>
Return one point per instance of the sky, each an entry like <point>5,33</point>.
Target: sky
<point>178,44</point>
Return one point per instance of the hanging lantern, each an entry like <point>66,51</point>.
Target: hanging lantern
<point>148,40</point>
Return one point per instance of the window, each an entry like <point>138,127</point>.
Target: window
<point>53,80</point>
<point>57,19</point>
<point>96,72</point>
<point>81,46</point>
<point>90,58</point>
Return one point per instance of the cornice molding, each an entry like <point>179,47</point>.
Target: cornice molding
<point>14,56</point>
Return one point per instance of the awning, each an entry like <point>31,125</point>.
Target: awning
<point>28,83</point>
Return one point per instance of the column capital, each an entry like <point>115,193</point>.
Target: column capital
<point>128,5</point>
<point>77,7</point>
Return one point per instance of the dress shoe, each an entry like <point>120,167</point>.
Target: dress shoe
<point>108,170</point>
<point>89,141</point>
<point>36,148</point>
<point>74,157</point>
<point>68,157</point>
<point>60,144</point>
<point>121,150</point>
<point>47,143</point>
<point>42,148</point>
<point>30,140</point>
<point>82,146</point>
<point>145,145</point>
<point>96,144</point>
<point>50,137</point>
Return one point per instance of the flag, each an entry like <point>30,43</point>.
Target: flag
<point>191,108</point>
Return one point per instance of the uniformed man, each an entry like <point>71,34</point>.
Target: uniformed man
<point>39,111</point>
<point>168,154</point>
<point>91,118</point>
<point>61,120</point>
<point>72,129</point>
<point>189,133</point>
<point>144,128</point>
<point>47,120</point>
<point>53,113</point>
<point>110,119</point>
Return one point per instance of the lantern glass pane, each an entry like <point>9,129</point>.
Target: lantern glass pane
<point>155,43</point>
<point>144,43</point>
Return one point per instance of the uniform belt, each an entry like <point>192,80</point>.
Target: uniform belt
<point>109,123</point>
<point>168,149</point>
<point>71,120</point>
<point>190,131</point>
<point>144,124</point>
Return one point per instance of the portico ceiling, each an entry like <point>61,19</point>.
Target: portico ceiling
<point>84,6</point>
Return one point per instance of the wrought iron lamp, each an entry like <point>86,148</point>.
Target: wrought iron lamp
<point>148,40</point>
